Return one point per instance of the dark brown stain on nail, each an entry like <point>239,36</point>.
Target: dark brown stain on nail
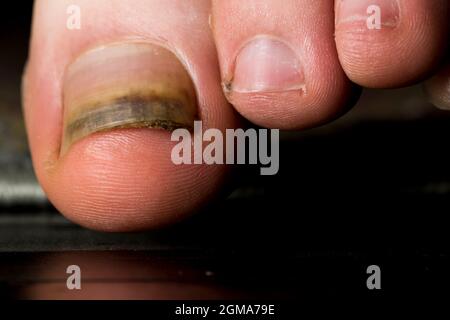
<point>131,111</point>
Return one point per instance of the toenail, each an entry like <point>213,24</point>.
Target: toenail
<point>266,64</point>
<point>371,14</point>
<point>126,85</point>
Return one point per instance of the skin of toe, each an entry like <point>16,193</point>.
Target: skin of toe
<point>408,45</point>
<point>124,179</point>
<point>316,88</point>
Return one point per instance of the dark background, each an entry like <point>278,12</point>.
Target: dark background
<point>371,188</point>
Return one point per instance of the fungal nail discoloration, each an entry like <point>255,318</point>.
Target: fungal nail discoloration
<point>130,85</point>
<point>129,112</point>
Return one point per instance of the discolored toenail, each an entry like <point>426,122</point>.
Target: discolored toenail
<point>126,85</point>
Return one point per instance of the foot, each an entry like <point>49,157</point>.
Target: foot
<point>101,73</point>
